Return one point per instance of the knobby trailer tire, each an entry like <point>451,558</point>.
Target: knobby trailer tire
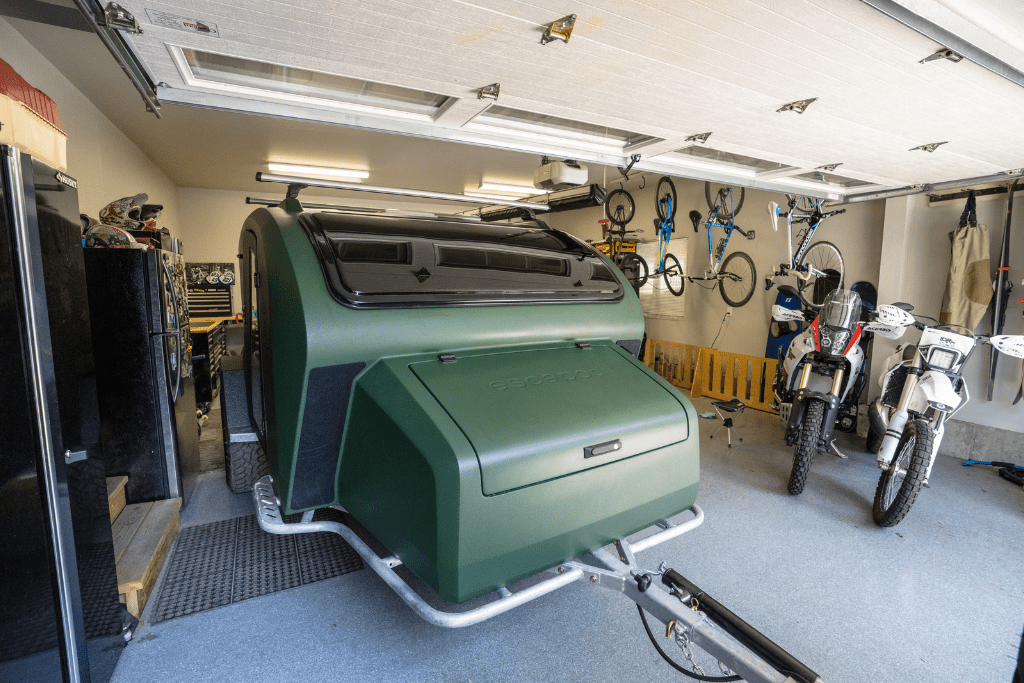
<point>894,496</point>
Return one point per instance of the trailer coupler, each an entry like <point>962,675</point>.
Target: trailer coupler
<point>693,617</point>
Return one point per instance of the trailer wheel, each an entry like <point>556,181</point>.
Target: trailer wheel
<point>244,464</point>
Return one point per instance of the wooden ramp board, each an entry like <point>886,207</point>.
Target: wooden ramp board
<point>139,564</point>
<point>115,495</point>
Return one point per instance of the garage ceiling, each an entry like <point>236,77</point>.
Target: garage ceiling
<point>663,69</point>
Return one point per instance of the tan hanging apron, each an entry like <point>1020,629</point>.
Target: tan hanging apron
<point>969,287</point>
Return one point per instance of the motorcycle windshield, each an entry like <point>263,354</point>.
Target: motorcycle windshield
<point>841,309</point>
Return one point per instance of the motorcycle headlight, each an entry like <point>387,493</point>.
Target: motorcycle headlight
<point>942,359</point>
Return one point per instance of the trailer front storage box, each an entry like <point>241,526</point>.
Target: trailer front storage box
<point>468,392</point>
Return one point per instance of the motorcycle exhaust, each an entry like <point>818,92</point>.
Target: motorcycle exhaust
<point>897,421</point>
<point>877,418</point>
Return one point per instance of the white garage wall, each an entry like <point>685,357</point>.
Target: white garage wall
<point>857,234</point>
<point>105,162</point>
<point>915,267</point>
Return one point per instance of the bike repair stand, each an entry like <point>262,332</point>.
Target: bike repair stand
<point>692,616</point>
<point>733,405</point>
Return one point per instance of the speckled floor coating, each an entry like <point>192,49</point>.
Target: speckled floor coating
<point>938,598</point>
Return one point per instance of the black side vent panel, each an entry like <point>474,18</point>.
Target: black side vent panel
<point>360,251</point>
<point>323,425</point>
<point>492,259</point>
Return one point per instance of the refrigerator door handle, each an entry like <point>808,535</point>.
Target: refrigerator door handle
<point>176,331</point>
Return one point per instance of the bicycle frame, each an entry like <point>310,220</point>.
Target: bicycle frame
<point>813,220</point>
<point>716,264</point>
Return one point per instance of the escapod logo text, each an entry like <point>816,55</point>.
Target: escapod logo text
<point>547,378</point>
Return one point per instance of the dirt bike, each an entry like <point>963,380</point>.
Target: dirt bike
<point>922,387</point>
<point>821,377</point>
<point>817,376</point>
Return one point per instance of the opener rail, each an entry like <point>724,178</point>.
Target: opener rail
<point>622,574</point>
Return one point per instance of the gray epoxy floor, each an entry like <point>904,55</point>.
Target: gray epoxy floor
<point>940,597</point>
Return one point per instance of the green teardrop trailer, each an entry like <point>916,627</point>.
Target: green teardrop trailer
<point>468,392</point>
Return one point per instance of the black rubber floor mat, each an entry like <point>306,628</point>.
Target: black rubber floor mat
<point>220,563</point>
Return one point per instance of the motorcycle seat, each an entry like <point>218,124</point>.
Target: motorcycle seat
<point>733,405</point>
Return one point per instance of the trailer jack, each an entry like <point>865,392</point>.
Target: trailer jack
<point>691,615</point>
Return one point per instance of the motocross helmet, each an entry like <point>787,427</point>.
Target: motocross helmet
<point>100,235</point>
<point>840,309</point>
<point>149,214</point>
<point>125,213</point>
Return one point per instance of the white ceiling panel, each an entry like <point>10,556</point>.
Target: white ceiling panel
<point>663,68</point>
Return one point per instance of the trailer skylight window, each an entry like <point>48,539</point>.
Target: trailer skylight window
<point>746,162</point>
<point>247,76</point>
<point>547,128</point>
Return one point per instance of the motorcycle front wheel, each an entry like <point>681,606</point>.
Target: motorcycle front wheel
<point>901,481</point>
<point>806,444</point>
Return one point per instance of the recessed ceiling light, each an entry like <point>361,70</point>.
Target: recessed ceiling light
<point>318,170</point>
<point>512,189</point>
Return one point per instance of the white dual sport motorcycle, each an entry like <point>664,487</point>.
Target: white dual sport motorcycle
<point>819,372</point>
<point>922,387</point>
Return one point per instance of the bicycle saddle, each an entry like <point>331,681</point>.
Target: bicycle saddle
<point>695,218</point>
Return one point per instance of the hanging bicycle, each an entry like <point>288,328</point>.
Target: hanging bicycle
<point>619,208</point>
<point>819,267</point>
<point>735,275</point>
<point>668,265</point>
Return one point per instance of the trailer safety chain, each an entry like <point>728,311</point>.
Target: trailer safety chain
<point>664,655</point>
<point>682,637</point>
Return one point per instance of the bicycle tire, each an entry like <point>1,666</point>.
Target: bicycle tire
<point>723,215</point>
<point>660,195</point>
<point>674,275</point>
<point>635,269</point>
<point>744,289</point>
<point>619,207</point>
<point>826,257</point>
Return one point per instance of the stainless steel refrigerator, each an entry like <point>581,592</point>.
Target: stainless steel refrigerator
<point>60,619</point>
<point>143,347</point>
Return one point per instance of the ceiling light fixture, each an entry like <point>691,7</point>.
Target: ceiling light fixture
<point>512,189</point>
<point>317,171</point>
<point>800,106</point>
<point>699,137</point>
<point>829,167</point>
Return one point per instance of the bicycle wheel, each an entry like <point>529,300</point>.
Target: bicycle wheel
<point>737,278</point>
<point>635,269</point>
<point>619,207</point>
<point>666,191</point>
<point>827,273</point>
<point>716,193</point>
<point>674,275</point>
